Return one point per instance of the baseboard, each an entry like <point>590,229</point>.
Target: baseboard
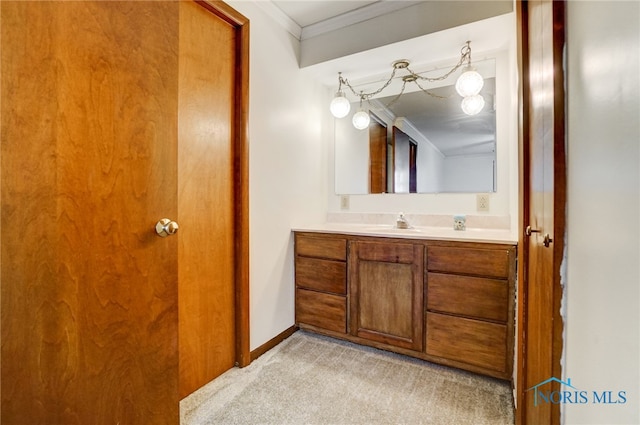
<point>273,342</point>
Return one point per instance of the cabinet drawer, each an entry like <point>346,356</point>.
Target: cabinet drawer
<point>470,341</point>
<point>473,261</point>
<point>389,252</point>
<point>325,311</point>
<point>322,275</point>
<point>479,297</point>
<point>321,247</point>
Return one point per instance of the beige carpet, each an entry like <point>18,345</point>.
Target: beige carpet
<point>310,379</point>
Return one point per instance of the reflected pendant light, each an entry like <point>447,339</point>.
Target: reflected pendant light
<point>472,105</point>
<point>469,83</point>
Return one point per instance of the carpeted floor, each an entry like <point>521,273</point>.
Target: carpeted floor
<point>311,379</point>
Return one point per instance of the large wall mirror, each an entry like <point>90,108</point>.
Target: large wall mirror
<point>419,142</point>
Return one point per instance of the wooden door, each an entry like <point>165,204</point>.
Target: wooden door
<point>386,293</point>
<point>401,153</point>
<point>90,162</point>
<point>206,196</point>
<point>543,202</point>
<point>377,157</point>
<point>89,294</point>
<point>413,167</point>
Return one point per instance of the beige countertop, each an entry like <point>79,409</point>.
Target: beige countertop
<point>416,232</point>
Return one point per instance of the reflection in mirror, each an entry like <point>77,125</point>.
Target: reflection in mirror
<point>420,144</point>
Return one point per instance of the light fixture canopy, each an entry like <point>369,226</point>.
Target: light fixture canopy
<point>472,105</point>
<point>468,85</point>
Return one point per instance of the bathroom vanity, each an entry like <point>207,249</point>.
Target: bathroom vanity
<point>440,296</point>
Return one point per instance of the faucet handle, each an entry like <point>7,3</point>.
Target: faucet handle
<point>401,222</point>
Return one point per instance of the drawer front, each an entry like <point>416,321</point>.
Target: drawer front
<point>477,297</point>
<point>321,247</point>
<point>470,341</point>
<point>389,252</point>
<point>472,261</point>
<point>321,275</point>
<point>325,311</point>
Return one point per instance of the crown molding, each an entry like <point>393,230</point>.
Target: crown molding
<point>280,17</point>
<point>353,17</point>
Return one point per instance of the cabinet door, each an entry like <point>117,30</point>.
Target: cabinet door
<point>386,293</point>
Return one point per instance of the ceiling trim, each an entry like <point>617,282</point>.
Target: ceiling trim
<point>353,17</point>
<point>280,17</point>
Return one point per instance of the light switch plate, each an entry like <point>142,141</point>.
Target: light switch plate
<point>482,202</point>
<point>344,202</point>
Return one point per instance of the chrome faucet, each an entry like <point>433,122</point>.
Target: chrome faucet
<point>401,222</point>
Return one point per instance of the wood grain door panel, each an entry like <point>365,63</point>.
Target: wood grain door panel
<point>386,293</point>
<point>89,113</point>
<point>543,201</point>
<point>205,197</point>
<point>377,157</point>
<point>89,163</point>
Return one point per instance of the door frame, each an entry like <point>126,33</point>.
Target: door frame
<point>240,138</point>
<point>559,197</point>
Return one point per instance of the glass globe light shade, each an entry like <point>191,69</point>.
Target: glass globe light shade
<point>361,120</point>
<point>472,105</point>
<point>469,83</point>
<point>340,105</point>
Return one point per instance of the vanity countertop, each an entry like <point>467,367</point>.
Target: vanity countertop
<point>416,232</point>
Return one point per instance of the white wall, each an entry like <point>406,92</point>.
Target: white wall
<point>469,173</point>
<point>429,163</point>
<point>351,155</point>
<point>287,171</point>
<point>603,241</point>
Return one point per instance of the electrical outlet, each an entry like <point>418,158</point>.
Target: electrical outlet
<point>482,202</point>
<point>344,202</point>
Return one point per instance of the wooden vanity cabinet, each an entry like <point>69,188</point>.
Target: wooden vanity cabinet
<point>469,312</point>
<point>386,292</point>
<point>448,302</point>
<point>321,281</point>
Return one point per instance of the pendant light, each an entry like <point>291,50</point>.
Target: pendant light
<point>340,105</point>
<point>468,85</point>
<point>361,118</point>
